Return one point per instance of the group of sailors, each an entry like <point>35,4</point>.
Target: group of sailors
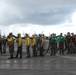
<point>63,43</point>
<point>39,43</point>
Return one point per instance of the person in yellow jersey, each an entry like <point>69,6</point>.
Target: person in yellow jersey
<point>44,42</point>
<point>28,42</point>
<point>34,42</point>
<point>11,44</point>
<point>19,42</point>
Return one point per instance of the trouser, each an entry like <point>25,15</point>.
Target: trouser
<point>1,49</point>
<point>34,51</point>
<point>61,48</point>
<point>19,51</point>
<point>4,48</point>
<point>28,51</point>
<point>44,46</point>
<point>11,50</point>
<point>41,51</point>
<point>73,48</point>
<point>65,44</point>
<point>53,48</point>
<point>37,46</point>
<point>69,47</point>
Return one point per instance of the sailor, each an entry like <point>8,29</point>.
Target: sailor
<point>1,44</point>
<point>34,44</point>
<point>61,44</point>
<point>28,43</point>
<point>19,42</point>
<point>40,43</point>
<point>53,45</point>
<point>11,44</point>
<point>4,44</point>
<point>69,43</point>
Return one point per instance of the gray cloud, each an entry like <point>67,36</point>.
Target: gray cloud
<point>41,12</point>
<point>51,17</point>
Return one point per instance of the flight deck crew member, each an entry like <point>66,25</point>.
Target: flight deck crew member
<point>28,42</point>
<point>61,44</point>
<point>73,43</point>
<point>19,51</point>
<point>40,43</point>
<point>10,43</point>
<point>34,42</point>
<point>44,42</point>
<point>53,45</point>
<point>69,42</point>
<point>0,44</point>
<point>4,44</point>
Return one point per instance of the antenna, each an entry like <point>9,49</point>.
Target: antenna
<point>42,32</point>
<point>34,32</point>
<point>23,34</point>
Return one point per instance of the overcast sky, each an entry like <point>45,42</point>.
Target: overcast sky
<point>35,16</point>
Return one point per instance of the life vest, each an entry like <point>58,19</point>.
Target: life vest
<point>34,41</point>
<point>44,39</point>
<point>28,41</point>
<point>10,40</point>
<point>19,41</point>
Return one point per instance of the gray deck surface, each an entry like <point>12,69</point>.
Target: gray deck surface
<point>47,65</point>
